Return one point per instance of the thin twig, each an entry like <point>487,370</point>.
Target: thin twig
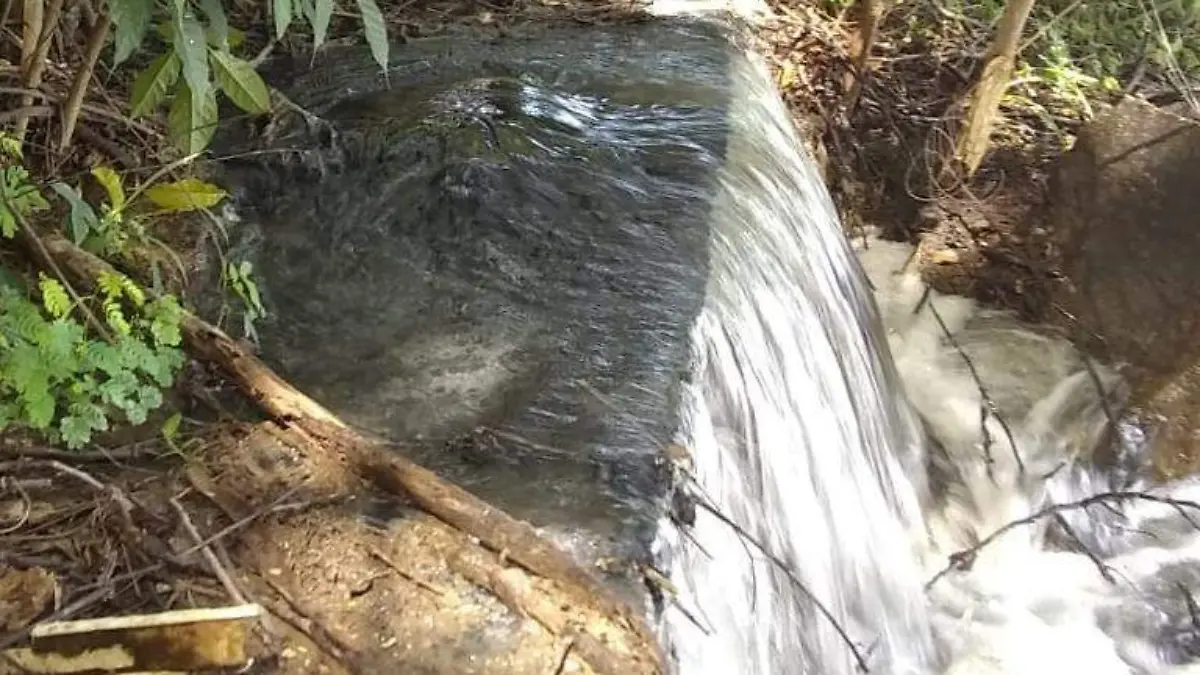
<point>34,241</point>
<point>391,564</point>
<point>987,405</point>
<point>211,558</point>
<point>787,571</point>
<point>963,559</point>
<point>113,491</point>
<point>561,662</point>
<point>273,506</point>
<point>25,112</point>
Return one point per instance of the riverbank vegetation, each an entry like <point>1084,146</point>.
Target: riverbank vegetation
<point>111,106</point>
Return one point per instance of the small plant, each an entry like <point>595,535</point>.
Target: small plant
<point>239,277</point>
<point>56,379</point>
<point>199,62</point>
<point>64,371</point>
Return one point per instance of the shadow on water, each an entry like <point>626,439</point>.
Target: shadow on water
<point>497,260</point>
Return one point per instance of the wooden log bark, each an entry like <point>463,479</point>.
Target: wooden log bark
<point>983,101</point>
<point>378,463</point>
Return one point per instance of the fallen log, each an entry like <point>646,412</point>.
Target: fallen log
<point>378,463</point>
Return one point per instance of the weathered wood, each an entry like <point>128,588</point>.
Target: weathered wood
<point>180,641</point>
<point>983,102</point>
<point>381,465</point>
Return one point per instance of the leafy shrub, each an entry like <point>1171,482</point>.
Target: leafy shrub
<point>199,62</point>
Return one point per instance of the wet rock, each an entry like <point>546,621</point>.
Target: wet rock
<point>1123,207</point>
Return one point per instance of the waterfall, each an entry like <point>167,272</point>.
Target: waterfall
<point>838,459</point>
<point>797,433</point>
<point>597,241</point>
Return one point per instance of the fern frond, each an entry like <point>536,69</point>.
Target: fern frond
<point>54,296</point>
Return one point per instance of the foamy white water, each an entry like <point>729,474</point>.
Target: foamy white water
<point>839,430</point>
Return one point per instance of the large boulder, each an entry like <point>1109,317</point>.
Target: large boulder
<point>1123,207</point>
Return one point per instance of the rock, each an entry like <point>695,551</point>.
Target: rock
<point>1122,207</point>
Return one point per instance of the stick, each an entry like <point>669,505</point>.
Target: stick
<point>33,60</point>
<point>83,76</point>
<point>381,557</point>
<point>211,558</point>
<point>965,558</point>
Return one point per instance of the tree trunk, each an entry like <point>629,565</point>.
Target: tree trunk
<point>983,102</point>
<point>865,17</point>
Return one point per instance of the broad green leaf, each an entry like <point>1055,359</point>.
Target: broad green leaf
<point>193,119</point>
<point>306,9</point>
<point>188,37</point>
<point>218,24</point>
<point>83,219</point>
<point>111,182</point>
<point>283,16</point>
<point>188,194</point>
<point>154,83</point>
<point>240,82</point>
<point>376,32</point>
<point>320,22</point>
<point>132,20</point>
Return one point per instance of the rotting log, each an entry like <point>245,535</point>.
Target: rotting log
<point>378,463</point>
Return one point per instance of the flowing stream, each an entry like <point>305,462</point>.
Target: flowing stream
<point>592,275</point>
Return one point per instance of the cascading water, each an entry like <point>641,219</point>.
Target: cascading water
<point>594,259</point>
<point>797,433</point>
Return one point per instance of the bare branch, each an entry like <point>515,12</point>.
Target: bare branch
<point>962,560</point>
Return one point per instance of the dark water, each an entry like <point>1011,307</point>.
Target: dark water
<point>499,258</point>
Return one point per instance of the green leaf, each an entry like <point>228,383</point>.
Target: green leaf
<point>111,182</point>
<point>376,32</point>
<point>154,83</point>
<point>10,146</point>
<point>187,35</point>
<point>240,82</point>
<point>8,222</point>
<point>83,219</point>
<point>234,38</point>
<point>322,13</point>
<point>132,20</point>
<point>114,316</point>
<point>54,297</point>
<point>110,284</point>
<point>283,16</point>
<point>193,118</point>
<point>218,23</point>
<point>58,345</point>
<point>39,406</point>
<point>165,316</point>
<point>77,427</point>
<point>170,428</point>
<point>189,194</point>
<point>105,358</point>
